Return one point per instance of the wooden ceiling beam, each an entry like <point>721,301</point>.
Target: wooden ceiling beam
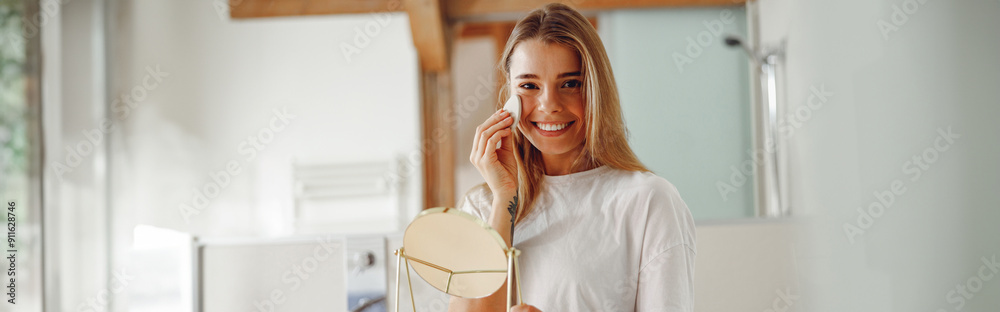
<point>273,8</point>
<point>453,9</point>
<point>498,31</point>
<point>473,9</point>
<point>427,24</point>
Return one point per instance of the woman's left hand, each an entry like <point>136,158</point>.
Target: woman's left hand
<point>524,308</point>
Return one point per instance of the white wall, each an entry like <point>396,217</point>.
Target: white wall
<point>747,265</point>
<point>891,95</point>
<point>225,80</point>
<point>474,84</point>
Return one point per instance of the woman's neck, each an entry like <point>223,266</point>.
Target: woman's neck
<point>562,164</point>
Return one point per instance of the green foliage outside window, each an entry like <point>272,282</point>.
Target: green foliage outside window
<point>13,108</point>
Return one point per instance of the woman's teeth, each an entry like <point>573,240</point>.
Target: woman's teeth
<point>552,127</point>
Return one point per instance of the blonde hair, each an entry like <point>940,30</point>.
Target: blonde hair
<point>606,140</point>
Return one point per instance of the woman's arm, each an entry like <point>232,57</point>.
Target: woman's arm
<point>666,274</point>
<point>667,282</point>
<point>498,168</point>
<point>500,221</point>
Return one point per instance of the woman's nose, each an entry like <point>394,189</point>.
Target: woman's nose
<point>548,102</point>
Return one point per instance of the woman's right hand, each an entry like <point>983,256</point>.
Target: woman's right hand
<point>497,166</point>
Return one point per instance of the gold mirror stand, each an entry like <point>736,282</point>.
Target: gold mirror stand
<point>513,273</point>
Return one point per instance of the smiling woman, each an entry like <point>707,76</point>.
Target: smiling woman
<point>547,79</point>
<point>598,231</point>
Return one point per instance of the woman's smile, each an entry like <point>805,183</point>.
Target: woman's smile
<point>552,129</point>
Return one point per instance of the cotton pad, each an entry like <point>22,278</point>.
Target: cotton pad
<point>513,107</point>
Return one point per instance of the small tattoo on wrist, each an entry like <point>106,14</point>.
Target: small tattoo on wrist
<point>512,208</point>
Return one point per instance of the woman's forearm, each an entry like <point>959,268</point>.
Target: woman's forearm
<point>500,218</point>
<point>497,302</point>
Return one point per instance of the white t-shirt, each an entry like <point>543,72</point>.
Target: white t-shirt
<point>603,240</point>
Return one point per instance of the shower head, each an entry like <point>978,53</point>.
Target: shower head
<point>733,41</point>
<point>736,41</point>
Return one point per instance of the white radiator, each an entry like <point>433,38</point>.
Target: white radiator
<point>349,197</point>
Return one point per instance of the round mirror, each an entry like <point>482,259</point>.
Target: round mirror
<point>456,252</point>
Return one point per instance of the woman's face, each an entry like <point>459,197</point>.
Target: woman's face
<point>548,79</point>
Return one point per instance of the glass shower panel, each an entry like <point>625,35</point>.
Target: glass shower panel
<point>687,102</point>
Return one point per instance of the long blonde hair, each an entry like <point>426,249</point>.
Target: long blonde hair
<point>606,136</point>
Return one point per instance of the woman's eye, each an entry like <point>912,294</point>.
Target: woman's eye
<point>528,86</point>
<point>572,84</point>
